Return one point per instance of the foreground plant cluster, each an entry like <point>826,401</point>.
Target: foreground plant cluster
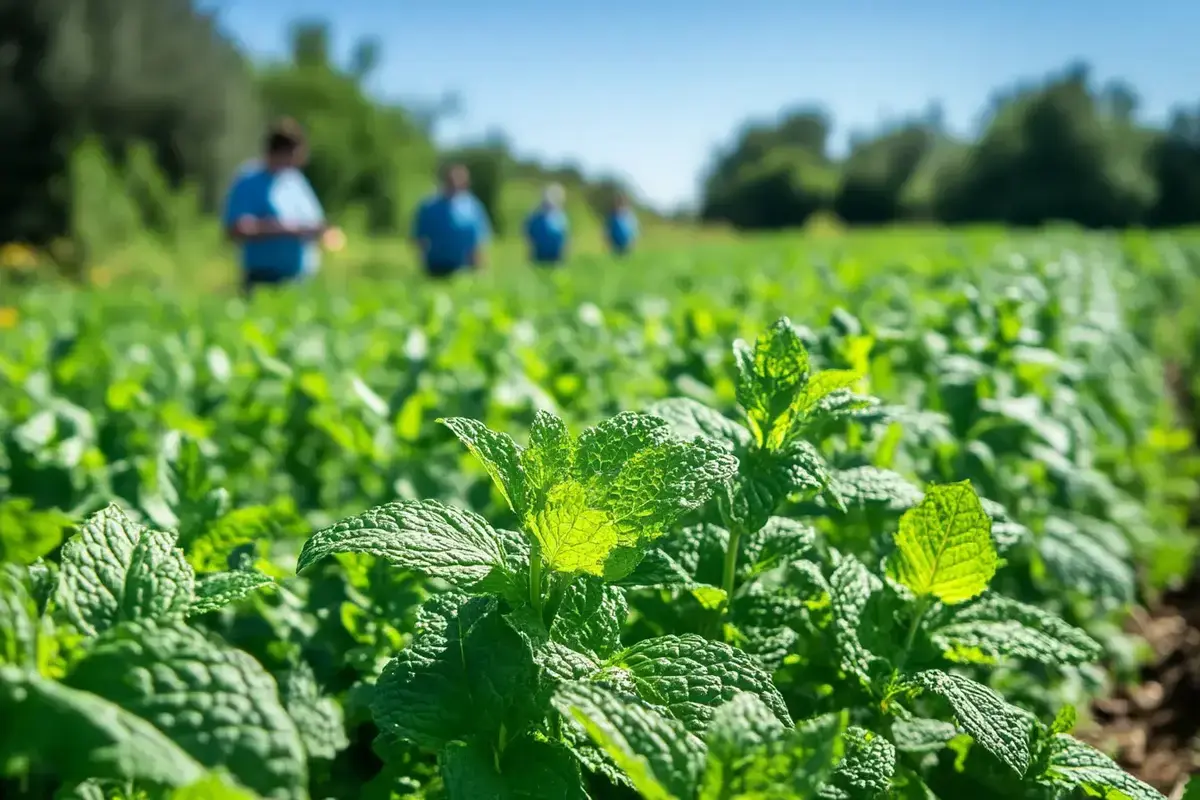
<point>798,591</point>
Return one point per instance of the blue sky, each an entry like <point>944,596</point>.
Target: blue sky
<point>648,88</point>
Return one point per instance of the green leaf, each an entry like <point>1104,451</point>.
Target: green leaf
<point>439,541</point>
<point>548,460</point>
<point>777,542</point>
<point>26,533</point>
<point>76,735</point>
<point>318,719</point>
<point>1075,765</point>
<point>160,582</point>
<point>187,487</point>
<point>771,378</point>
<point>740,729</point>
<point>114,570</point>
<point>249,527</point>
<point>691,676</point>
<point>498,454</point>
<point>865,770</point>
<point>850,589</point>
<point>1083,565</point>
<point>467,671</point>
<point>527,770</point>
<point>661,758</point>
<point>593,507</point>
<point>590,617</point>
<point>690,419</point>
<point>767,478</point>
<point>922,735</point>
<point>215,702</point>
<point>776,387</point>
<point>944,546</point>
<point>863,487</point>
<point>18,618</point>
<point>996,627</point>
<point>751,760</point>
<point>998,727</point>
<point>213,787</point>
<point>1192,790</point>
<point>214,592</point>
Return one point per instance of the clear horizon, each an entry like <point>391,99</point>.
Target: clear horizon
<point>648,95</point>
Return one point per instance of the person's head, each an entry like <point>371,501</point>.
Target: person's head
<point>620,202</point>
<point>455,178</point>
<point>286,145</point>
<point>553,196</point>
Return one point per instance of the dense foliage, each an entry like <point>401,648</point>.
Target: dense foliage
<point>769,521</point>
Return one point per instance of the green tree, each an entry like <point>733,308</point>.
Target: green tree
<point>123,71</point>
<point>364,154</point>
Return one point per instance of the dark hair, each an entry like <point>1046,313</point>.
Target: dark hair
<point>284,137</point>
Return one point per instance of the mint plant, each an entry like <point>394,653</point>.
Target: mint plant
<point>104,682</point>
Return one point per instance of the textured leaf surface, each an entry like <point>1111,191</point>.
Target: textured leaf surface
<point>528,770</point>
<point>498,454</point>
<point>788,764</point>
<point>590,618</point>
<point>691,676</point>
<point>661,758</point>
<point>114,570</point>
<point>594,505</point>
<point>996,627</point>
<point>77,735</point>
<point>214,592</point>
<point>866,486</point>
<point>771,378</point>
<point>850,588</point>
<point>739,729</point>
<point>215,702</point>
<point>689,419</point>
<point>1002,729</point>
<point>466,671</point>
<point>18,618</point>
<point>160,582</point>
<point>318,719</point>
<point>922,735</point>
<point>1075,765</point>
<point>457,546</point>
<point>780,540</point>
<point>944,546</point>
<point>865,770</point>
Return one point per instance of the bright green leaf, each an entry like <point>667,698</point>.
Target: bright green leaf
<point>944,546</point>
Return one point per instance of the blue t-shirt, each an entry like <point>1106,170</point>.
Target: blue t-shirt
<point>285,196</point>
<point>622,229</point>
<point>451,228</point>
<point>547,229</point>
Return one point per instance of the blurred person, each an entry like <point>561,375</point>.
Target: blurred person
<point>273,215</point>
<point>451,227</point>
<point>547,228</point>
<point>622,225</point>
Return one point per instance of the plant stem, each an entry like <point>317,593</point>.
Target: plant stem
<point>922,607</point>
<point>730,571</point>
<point>535,581</point>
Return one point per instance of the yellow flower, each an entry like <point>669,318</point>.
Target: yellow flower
<point>17,257</point>
<point>100,276</point>
<point>8,317</point>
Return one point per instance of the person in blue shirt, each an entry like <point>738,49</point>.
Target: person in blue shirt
<point>547,228</point>
<point>622,226</point>
<point>451,227</point>
<point>272,214</point>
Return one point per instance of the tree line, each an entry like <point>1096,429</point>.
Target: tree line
<point>149,100</point>
<point>1058,150</point>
